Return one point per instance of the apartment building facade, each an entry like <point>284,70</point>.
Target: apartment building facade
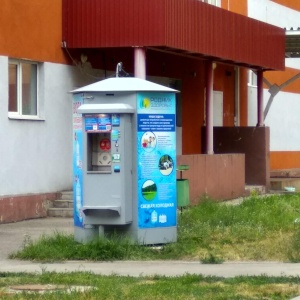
<point>281,88</point>
<point>35,108</point>
<point>40,64</point>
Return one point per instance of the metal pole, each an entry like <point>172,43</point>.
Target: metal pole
<point>139,62</point>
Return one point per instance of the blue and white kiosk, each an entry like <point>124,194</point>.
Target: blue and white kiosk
<point>124,160</point>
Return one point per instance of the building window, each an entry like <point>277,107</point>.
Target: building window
<point>23,82</point>
<point>213,2</point>
<point>252,78</point>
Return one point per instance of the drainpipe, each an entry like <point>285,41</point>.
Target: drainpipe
<point>140,62</point>
<point>209,108</point>
<point>260,99</point>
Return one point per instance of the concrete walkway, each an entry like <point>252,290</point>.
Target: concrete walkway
<point>13,235</point>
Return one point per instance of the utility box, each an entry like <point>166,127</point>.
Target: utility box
<point>124,161</point>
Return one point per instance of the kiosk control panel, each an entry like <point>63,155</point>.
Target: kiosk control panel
<point>107,166</point>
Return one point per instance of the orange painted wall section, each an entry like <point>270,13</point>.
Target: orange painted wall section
<point>192,118</point>
<point>293,4</point>
<point>193,103</point>
<point>191,73</point>
<point>279,77</point>
<point>192,108</point>
<point>237,6</point>
<point>32,29</point>
<point>224,80</point>
<point>284,160</point>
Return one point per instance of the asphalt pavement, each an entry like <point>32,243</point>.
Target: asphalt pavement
<point>13,236</point>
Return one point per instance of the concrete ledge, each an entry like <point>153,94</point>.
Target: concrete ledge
<point>22,207</point>
<point>220,176</point>
<point>63,203</point>
<point>66,195</point>
<point>285,173</point>
<point>60,212</point>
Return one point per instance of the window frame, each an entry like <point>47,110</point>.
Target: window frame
<point>252,78</point>
<point>19,85</point>
<point>213,2</point>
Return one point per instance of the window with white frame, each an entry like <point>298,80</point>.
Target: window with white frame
<point>213,2</point>
<point>23,85</point>
<point>252,78</point>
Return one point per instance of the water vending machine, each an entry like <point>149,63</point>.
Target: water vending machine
<point>124,160</point>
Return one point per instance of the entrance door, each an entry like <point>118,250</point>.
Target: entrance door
<point>218,108</point>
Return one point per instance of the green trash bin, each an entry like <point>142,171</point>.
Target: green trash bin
<point>183,188</point>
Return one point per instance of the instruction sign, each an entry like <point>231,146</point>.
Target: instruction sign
<point>156,150</point>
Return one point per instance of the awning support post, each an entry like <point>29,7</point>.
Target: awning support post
<point>140,62</point>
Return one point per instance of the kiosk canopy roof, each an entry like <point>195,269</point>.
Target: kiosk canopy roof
<point>124,84</point>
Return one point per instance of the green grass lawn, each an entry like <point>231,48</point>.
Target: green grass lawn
<point>150,288</point>
<point>261,228</point>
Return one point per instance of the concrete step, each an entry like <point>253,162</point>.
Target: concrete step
<point>255,189</point>
<point>62,207</point>
<point>279,184</point>
<point>63,204</point>
<point>66,195</point>
<point>60,212</point>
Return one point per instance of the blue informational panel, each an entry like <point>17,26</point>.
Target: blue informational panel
<point>156,161</point>
<point>101,122</point>
<point>98,122</point>
<point>77,161</point>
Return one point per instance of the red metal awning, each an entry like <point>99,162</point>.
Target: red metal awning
<point>186,27</point>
